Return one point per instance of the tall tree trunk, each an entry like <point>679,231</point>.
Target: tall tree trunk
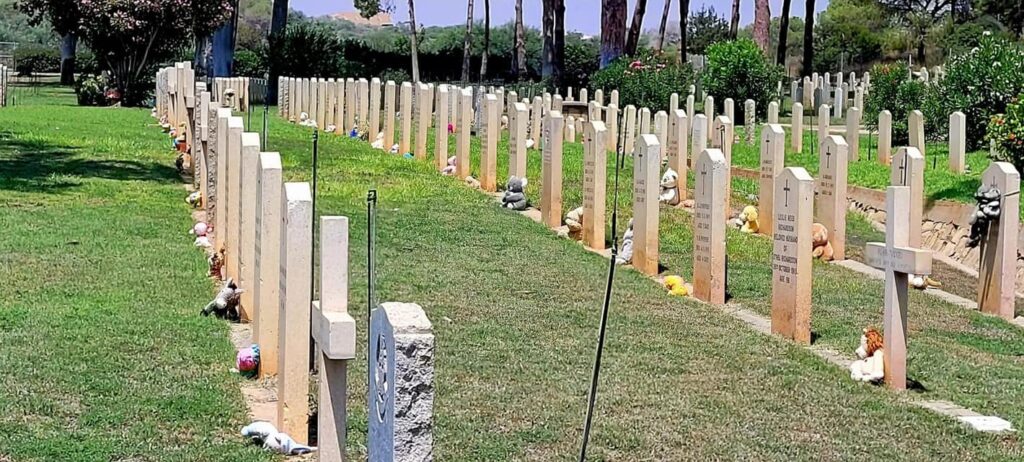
<point>467,42</point>
<point>224,45</point>
<point>487,40</point>
<point>808,64</point>
<point>660,44</point>
<point>613,30</point>
<point>203,63</point>
<point>558,68</point>
<point>734,26</point>
<point>633,39</point>
<point>780,55</point>
<point>547,28</point>
<point>762,20</point>
<point>920,50</point>
<point>68,47</point>
<point>414,43</point>
<point>519,57</point>
<point>278,26</point>
<point>684,14</point>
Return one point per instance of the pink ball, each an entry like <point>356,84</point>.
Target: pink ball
<point>200,229</point>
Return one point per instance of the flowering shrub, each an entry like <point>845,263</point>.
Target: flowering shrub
<point>739,70</point>
<point>893,90</point>
<point>980,83</point>
<point>1006,132</point>
<point>647,80</point>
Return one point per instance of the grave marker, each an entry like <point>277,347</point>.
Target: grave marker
<point>885,137</point>
<point>551,171</point>
<point>908,170</point>
<point>915,128</point>
<point>709,226</point>
<point>441,128</point>
<point>998,268</point>
<point>339,106</point>
<point>221,183</point>
<point>699,130</point>
<point>364,104</point>
<point>248,197</point>
<point>595,167</point>
<point>853,133</point>
<point>661,130</point>
<point>406,111</point>
<point>646,180</point>
<point>268,262</point>
<point>773,112</point>
<point>462,159</point>
<point>678,142</point>
<point>791,253</point>
<point>729,108</point>
<point>611,120</point>
<point>570,129</point>
<point>234,195</point>
<point>535,117</point>
<point>824,124</point>
<point>424,107</point>
<point>401,391</point>
<point>294,330</point>
<point>957,141</point>
<point>630,140</point>
<point>831,200</point>
<point>773,160</point>
<point>749,117</point>
<point>489,154</point>
<point>375,109</point>
<point>898,259</point>
<point>389,115</point>
<point>517,140</point>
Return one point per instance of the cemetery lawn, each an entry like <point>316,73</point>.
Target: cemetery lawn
<point>516,309</point>
<point>103,354</point>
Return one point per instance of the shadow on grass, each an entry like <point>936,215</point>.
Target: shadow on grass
<point>41,167</point>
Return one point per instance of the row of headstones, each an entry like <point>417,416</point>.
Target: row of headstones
<point>240,93</point>
<point>5,75</point>
<point>264,231</point>
<point>818,90</point>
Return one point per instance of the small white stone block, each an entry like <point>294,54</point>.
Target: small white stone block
<point>985,423</point>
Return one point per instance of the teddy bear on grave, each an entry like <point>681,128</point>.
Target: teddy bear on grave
<point>870,367</point>
<point>626,249</point>
<point>472,182</point>
<point>676,286</point>
<point>394,149</point>
<point>216,262</point>
<point>669,188</point>
<point>748,217</point>
<point>379,142</point>
<point>195,199</point>
<point>574,221</point>
<point>225,304</point>
<point>515,195</point>
<point>822,248</point>
<point>449,169</point>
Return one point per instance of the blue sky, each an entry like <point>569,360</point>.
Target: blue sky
<point>580,15</point>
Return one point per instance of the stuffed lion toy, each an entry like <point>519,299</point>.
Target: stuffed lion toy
<point>822,247</point>
<point>871,366</point>
<point>749,220</point>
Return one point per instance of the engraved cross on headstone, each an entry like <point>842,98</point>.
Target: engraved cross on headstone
<point>787,189</point>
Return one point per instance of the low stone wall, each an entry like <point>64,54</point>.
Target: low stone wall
<point>944,231</point>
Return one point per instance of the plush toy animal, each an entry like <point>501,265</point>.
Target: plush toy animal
<point>515,197</point>
<point>626,250</point>
<point>472,182</point>
<point>530,143</point>
<point>195,199</point>
<point>248,360</point>
<point>574,221</point>
<point>504,122</point>
<point>819,239</point>
<point>449,170</point>
<point>923,282</point>
<point>676,286</point>
<point>669,188</point>
<point>871,366</point>
<point>394,149</point>
<point>379,142</point>
<point>266,434</point>
<point>216,262</point>
<point>200,230</point>
<point>749,218</point>
<point>225,305</point>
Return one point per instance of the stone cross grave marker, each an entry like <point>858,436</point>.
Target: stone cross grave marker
<point>885,137</point>
<point>551,171</point>
<point>831,201</point>
<point>797,118</point>
<point>709,226</point>
<point>957,141</point>
<point>518,119</point>
<point>791,254</point>
<point>678,142</point>
<point>489,153</point>
<point>401,390</point>
<point>462,159</point>
<point>899,260</point>
<point>294,330</point>
<point>699,136</point>
<point>441,128</point>
<point>853,133</point>
<point>915,128</point>
<point>646,173</point>
<point>247,223</point>
<point>406,111</point>
<point>268,262</point>
<point>998,268</point>
<point>389,115</point>
<point>334,331</point>
<point>908,170</point>
<point>595,168</point>
<point>773,160</point>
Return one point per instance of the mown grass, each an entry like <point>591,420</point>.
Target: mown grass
<point>103,354</point>
<point>516,311</point>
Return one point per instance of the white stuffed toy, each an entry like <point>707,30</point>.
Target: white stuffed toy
<point>379,142</point>
<point>200,230</point>
<point>871,366</point>
<point>574,221</point>
<point>669,188</point>
<point>266,433</point>
<point>626,250</point>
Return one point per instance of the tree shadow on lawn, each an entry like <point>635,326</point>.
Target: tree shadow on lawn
<point>41,167</point>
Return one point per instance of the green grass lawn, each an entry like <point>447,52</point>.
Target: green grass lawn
<point>103,354</point>
<point>96,235</point>
<point>516,310</point>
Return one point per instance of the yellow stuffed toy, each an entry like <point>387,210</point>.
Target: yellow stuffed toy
<point>675,286</point>
<point>749,219</point>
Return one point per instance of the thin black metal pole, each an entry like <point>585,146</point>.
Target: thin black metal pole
<point>371,277</point>
<point>314,364</point>
<point>266,110</point>
<point>620,159</point>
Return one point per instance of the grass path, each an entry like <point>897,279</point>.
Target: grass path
<point>516,309</point>
<point>103,355</point>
